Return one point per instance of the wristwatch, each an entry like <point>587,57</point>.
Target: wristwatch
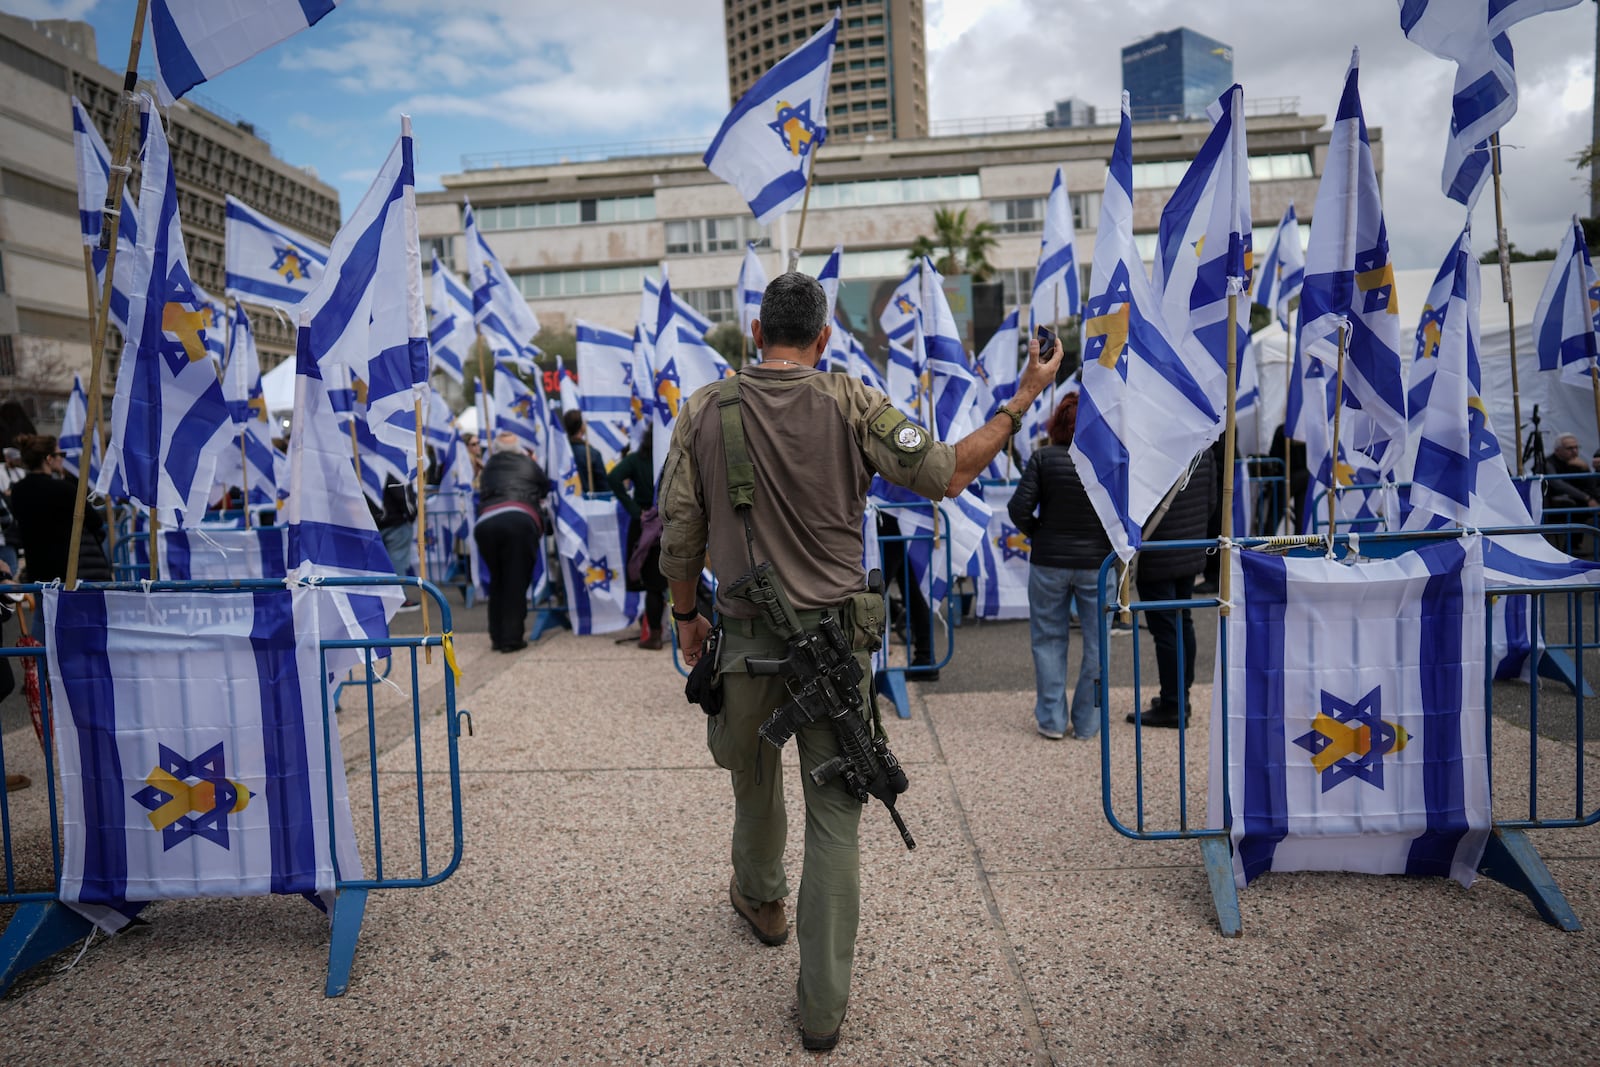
<point>1015,417</point>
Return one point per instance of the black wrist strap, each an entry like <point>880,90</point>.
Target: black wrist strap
<point>691,614</point>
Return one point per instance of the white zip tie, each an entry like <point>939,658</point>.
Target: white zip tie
<point>67,967</point>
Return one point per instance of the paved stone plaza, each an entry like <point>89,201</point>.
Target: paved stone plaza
<point>589,923</point>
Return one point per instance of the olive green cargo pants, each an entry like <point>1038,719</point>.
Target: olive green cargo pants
<point>829,907</point>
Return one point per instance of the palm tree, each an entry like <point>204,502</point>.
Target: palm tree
<point>958,245</point>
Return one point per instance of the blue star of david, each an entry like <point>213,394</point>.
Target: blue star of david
<point>800,115</point>
<point>603,584</point>
<point>297,272</point>
<point>1430,317</point>
<point>1009,536</point>
<point>1105,303</point>
<point>209,768</point>
<point>1377,298</point>
<point>1364,712</point>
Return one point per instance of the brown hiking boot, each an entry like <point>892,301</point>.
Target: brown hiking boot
<point>768,921</point>
<point>653,642</point>
<point>15,782</point>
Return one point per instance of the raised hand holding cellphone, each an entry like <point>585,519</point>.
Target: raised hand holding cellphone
<point>1047,343</point>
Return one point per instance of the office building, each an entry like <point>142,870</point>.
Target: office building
<point>1070,112</point>
<point>578,237</point>
<point>880,62</point>
<point>44,318</point>
<point>1175,75</point>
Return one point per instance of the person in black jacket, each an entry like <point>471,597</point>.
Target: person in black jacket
<point>511,491</point>
<point>396,523</point>
<point>1068,544</point>
<point>1170,576</point>
<point>43,503</point>
<point>590,463</point>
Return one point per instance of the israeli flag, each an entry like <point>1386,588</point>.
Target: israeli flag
<point>73,421</point>
<point>1350,282</point>
<point>1430,328</point>
<point>590,535</point>
<point>606,369</point>
<point>218,555</point>
<point>520,410</point>
<point>1055,276</point>
<point>268,263</point>
<point>331,532</point>
<point>860,367</point>
<point>253,462</point>
<point>1283,272</point>
<point>907,377</point>
<point>1355,708</point>
<point>218,327</point>
<point>997,369</point>
<point>765,146</point>
<point>169,419</point>
<point>451,329</point>
<point>828,278</point>
<point>193,747</point>
<point>1141,415</point>
<point>954,391</point>
<point>1204,255</point>
<point>752,287</point>
<point>1002,584</point>
<point>367,311</point>
<point>504,318</point>
<point>650,307</point>
<point>899,315</point>
<point>684,363</point>
<point>963,519</point>
<point>1563,323</point>
<point>94,170</point>
<point>198,39</point>
<point>1473,35</point>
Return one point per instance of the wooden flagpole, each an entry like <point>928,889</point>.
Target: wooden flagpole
<point>483,397</point>
<point>1505,294</point>
<point>805,203</point>
<point>110,216</point>
<point>91,436</point>
<point>1333,453</point>
<point>1225,573</point>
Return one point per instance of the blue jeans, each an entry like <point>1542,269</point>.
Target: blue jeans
<point>397,542</point>
<point>1051,591</point>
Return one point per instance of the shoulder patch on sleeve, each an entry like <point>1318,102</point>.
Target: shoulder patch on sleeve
<point>894,429</point>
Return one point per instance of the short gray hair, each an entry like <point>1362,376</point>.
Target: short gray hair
<point>794,309</point>
<point>505,441</point>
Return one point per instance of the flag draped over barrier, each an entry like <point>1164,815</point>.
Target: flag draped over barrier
<point>198,39</point>
<point>1473,34</point>
<point>190,730</point>
<point>267,262</point>
<point>1355,704</point>
<point>1282,273</point>
<point>169,420</point>
<point>1563,322</point>
<point>766,144</point>
<point>591,533</point>
<point>1141,415</point>
<point>216,555</point>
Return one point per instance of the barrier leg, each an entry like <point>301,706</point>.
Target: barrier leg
<point>1218,857</point>
<point>1511,860</point>
<point>1558,666</point>
<point>36,932</point>
<point>547,619</point>
<point>349,907</point>
<point>892,684</point>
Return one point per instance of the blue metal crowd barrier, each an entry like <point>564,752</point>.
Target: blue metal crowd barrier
<point>889,679</point>
<point>1509,857</point>
<point>42,926</point>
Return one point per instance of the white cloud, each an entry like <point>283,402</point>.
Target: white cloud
<point>1020,58</point>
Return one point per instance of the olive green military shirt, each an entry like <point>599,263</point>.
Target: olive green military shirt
<point>815,440</point>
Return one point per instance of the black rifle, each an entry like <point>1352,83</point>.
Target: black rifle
<point>824,680</point>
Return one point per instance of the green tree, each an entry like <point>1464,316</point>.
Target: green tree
<point>727,339</point>
<point>958,245</point>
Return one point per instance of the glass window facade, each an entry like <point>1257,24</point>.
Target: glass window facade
<point>896,191</point>
<point>564,213</point>
<point>1177,74</point>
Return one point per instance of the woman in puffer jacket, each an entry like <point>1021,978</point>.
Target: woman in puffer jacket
<point>1068,546</point>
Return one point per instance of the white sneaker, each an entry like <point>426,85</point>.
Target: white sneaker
<point>1054,735</point>
<point>410,605</point>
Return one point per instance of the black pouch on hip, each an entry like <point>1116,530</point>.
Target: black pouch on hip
<point>702,687</point>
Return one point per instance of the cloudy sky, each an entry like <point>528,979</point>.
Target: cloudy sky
<point>503,76</point>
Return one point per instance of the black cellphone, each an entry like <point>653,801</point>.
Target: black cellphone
<point>1047,343</point>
